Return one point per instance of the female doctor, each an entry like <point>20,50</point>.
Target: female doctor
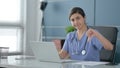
<point>84,43</point>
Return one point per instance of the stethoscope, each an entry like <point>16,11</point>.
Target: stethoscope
<point>83,51</point>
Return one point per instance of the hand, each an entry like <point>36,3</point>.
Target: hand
<point>90,33</point>
<point>57,43</point>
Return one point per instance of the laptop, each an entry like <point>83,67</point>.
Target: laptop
<point>47,52</point>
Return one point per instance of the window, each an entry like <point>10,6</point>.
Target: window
<point>10,11</point>
<point>10,37</point>
<point>11,24</point>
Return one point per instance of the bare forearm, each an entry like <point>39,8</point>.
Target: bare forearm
<point>106,43</point>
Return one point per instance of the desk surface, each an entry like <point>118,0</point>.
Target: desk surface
<point>12,62</point>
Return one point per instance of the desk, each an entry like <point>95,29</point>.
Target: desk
<point>11,62</point>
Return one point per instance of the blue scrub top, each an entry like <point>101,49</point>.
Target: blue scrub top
<point>74,47</point>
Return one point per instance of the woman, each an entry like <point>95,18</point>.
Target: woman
<point>84,43</point>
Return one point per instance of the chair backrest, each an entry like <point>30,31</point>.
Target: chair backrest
<point>111,34</point>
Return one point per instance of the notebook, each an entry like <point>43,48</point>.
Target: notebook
<point>47,52</point>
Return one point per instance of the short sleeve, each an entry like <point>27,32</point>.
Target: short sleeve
<point>68,40</point>
<point>65,46</point>
<point>66,43</point>
<point>97,43</point>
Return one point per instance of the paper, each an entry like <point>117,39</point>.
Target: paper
<point>90,63</point>
<point>24,57</point>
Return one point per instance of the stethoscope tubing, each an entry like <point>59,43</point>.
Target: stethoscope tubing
<point>84,48</point>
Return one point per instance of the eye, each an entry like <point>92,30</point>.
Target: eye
<point>72,20</point>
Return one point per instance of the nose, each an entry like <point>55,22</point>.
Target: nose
<point>75,21</point>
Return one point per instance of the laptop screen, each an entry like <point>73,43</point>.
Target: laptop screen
<point>45,51</point>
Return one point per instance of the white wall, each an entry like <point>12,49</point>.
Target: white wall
<point>33,20</point>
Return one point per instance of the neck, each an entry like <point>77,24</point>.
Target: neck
<point>82,30</point>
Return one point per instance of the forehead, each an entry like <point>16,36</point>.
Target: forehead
<point>75,15</point>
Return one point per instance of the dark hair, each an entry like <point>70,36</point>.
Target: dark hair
<point>77,10</point>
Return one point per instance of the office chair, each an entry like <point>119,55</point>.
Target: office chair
<point>111,34</point>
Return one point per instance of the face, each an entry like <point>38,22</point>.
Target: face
<point>77,20</point>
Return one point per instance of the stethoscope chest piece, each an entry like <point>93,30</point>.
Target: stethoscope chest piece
<point>83,52</point>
